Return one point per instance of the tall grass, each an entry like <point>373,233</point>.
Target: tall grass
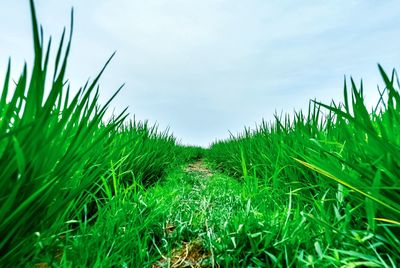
<point>367,161</point>
<point>311,153</point>
<point>57,155</point>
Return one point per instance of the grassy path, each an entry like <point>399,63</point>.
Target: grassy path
<point>202,203</point>
<point>198,217</point>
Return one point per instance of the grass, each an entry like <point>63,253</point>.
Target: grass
<point>319,188</point>
<point>338,166</point>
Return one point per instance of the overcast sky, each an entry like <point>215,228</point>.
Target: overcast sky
<point>203,67</point>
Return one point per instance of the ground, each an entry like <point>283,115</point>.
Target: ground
<point>194,214</point>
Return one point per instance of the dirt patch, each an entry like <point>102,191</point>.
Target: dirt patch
<point>199,167</point>
<point>190,254</point>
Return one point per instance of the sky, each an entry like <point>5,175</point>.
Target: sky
<point>207,67</point>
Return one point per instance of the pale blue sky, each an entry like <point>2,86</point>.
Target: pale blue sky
<point>205,67</point>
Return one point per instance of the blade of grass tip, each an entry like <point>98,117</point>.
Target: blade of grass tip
<point>58,55</point>
<point>353,90</point>
<point>118,120</point>
<point>4,93</point>
<point>60,77</point>
<point>36,86</point>
<point>346,97</point>
<point>51,96</point>
<point>94,83</point>
<point>105,106</point>
<point>36,40</point>
<point>380,100</point>
<point>358,105</point>
<point>362,88</point>
<point>85,113</point>
<point>38,91</point>
<point>389,84</point>
<point>397,78</point>
<point>338,112</point>
<point>58,80</point>
<point>11,112</point>
<point>46,59</point>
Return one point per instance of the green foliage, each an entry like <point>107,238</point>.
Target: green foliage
<point>345,143</point>
<point>142,151</point>
<point>319,189</point>
<point>57,154</point>
<point>367,161</point>
<point>187,154</point>
<point>48,146</point>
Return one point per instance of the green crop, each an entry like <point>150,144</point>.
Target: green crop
<point>318,155</point>
<point>56,150</point>
<point>319,188</point>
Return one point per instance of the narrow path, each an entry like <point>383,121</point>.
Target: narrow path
<point>204,202</point>
<point>200,168</point>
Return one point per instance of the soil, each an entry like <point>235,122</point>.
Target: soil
<point>199,167</point>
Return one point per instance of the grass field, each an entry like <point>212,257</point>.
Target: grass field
<point>319,188</point>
